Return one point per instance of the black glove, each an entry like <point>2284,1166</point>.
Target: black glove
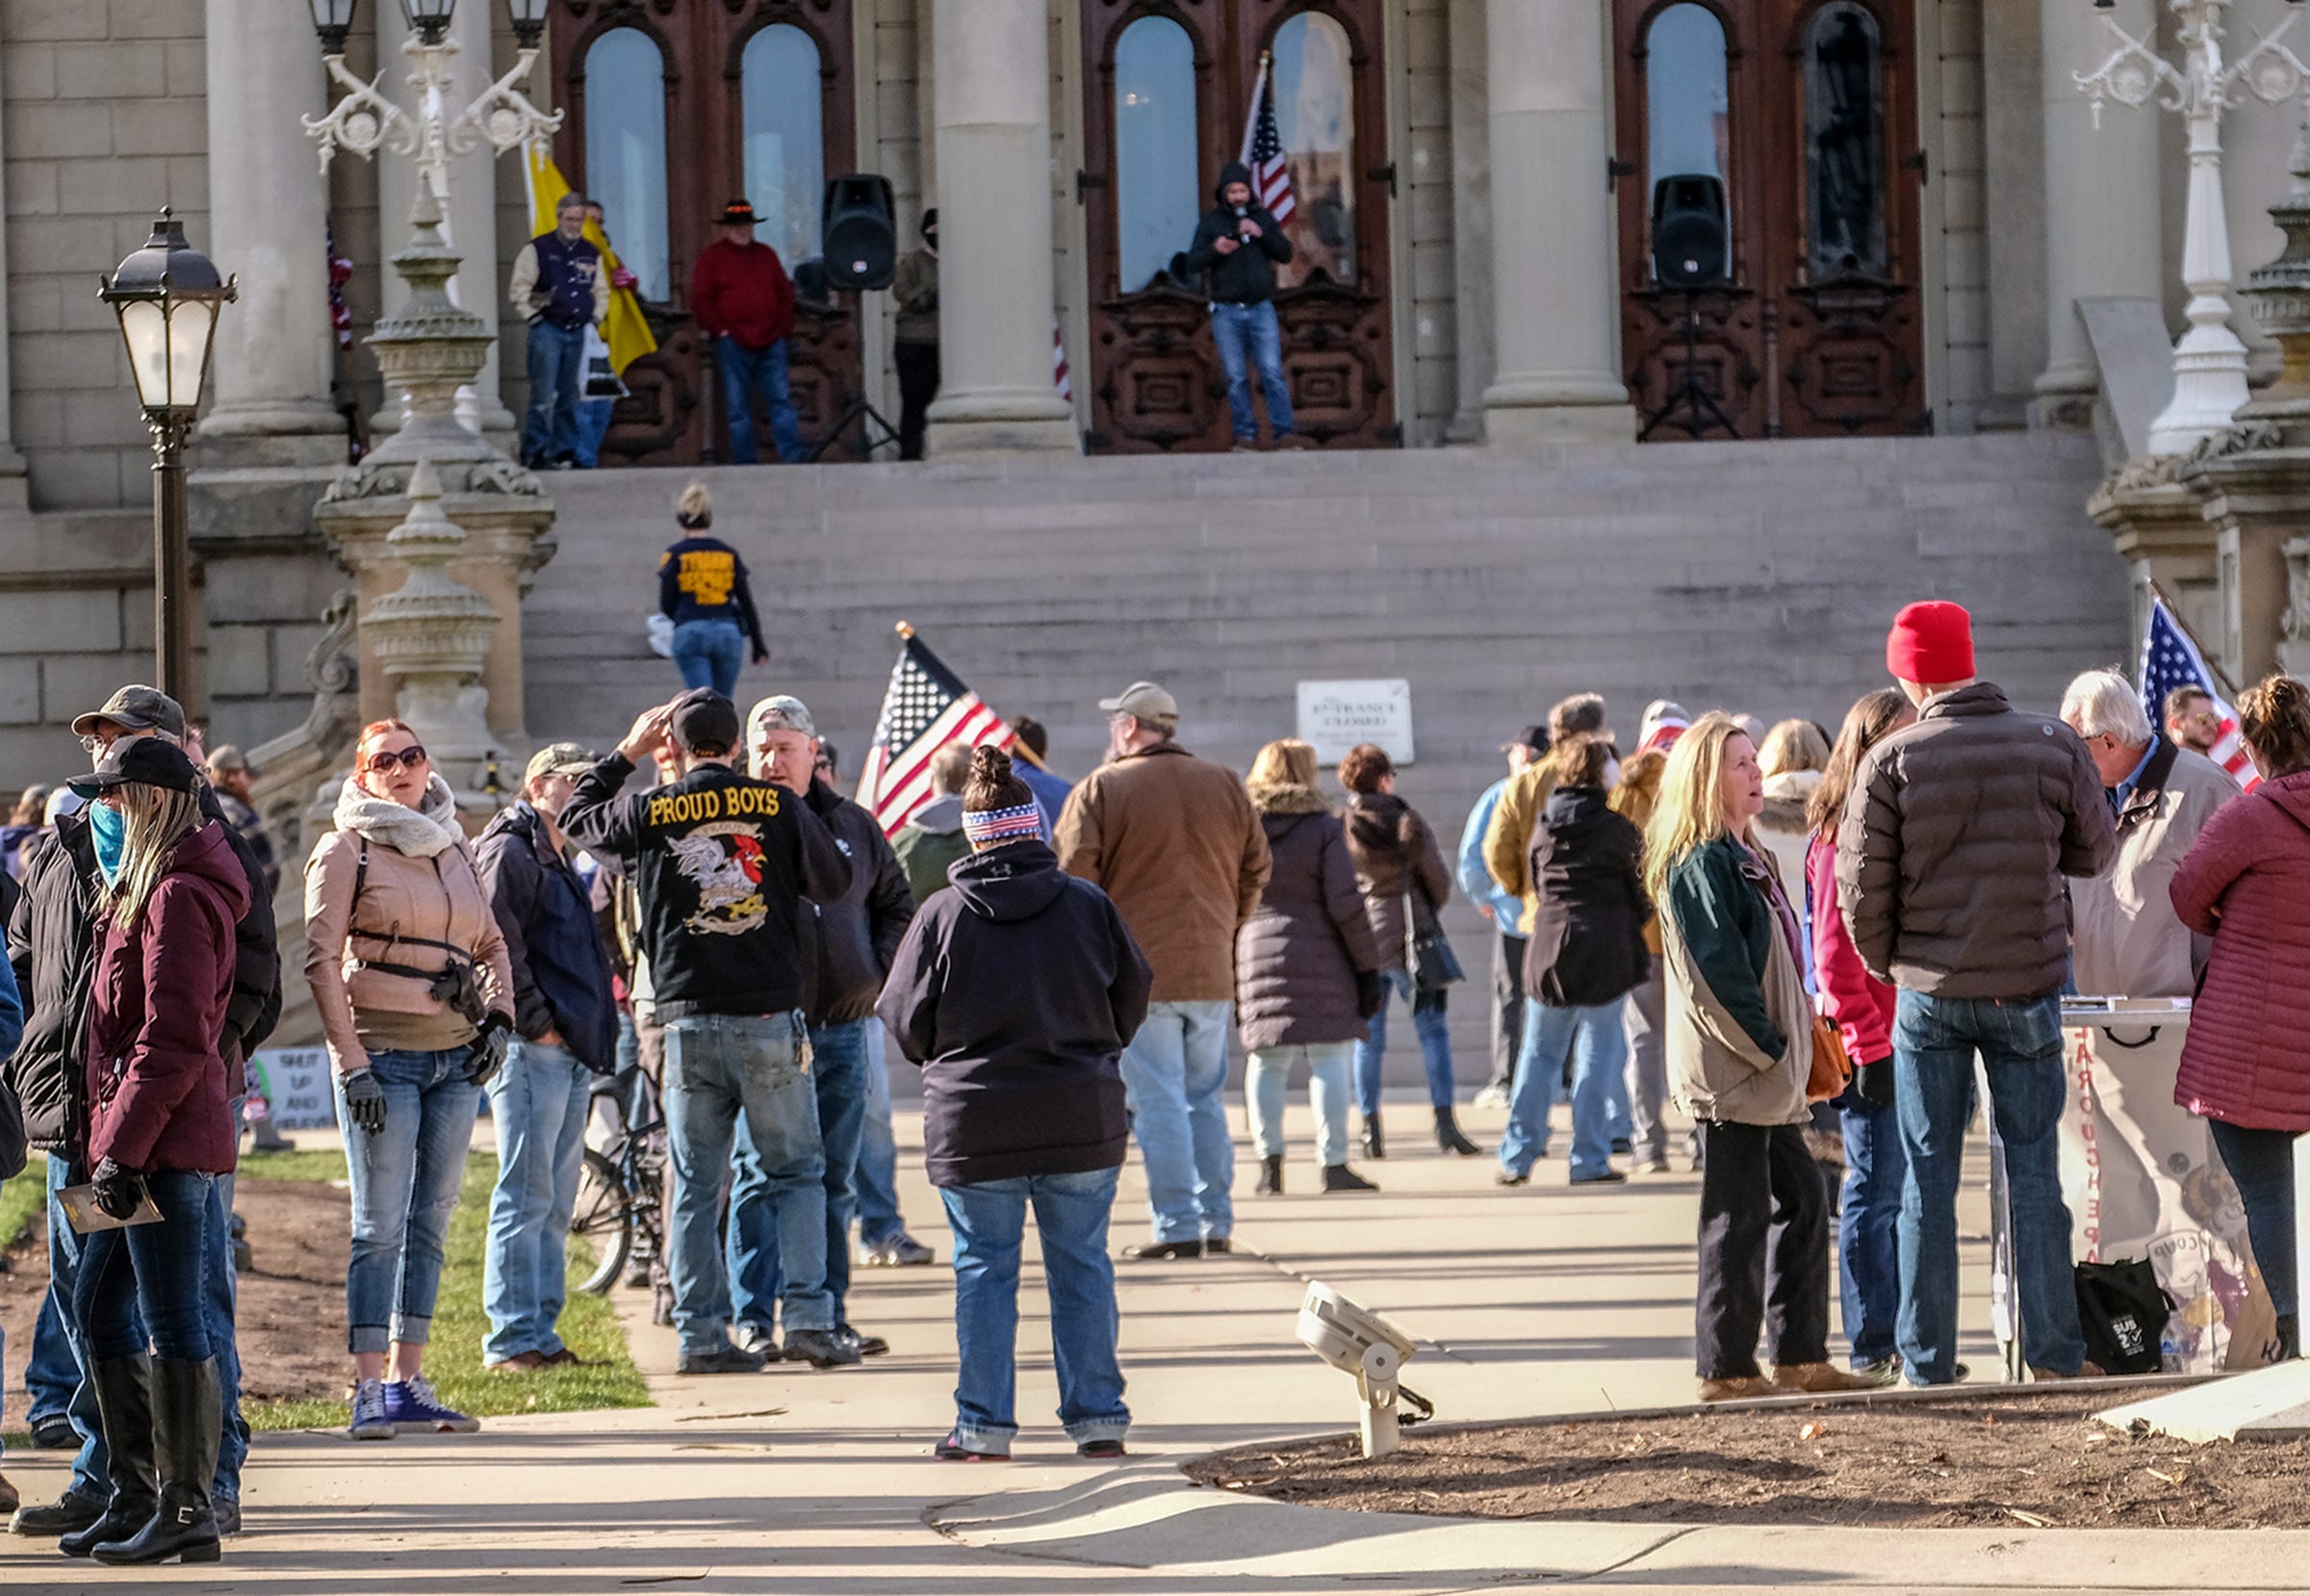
<point>489,1049</point>
<point>118,1190</point>
<point>1371,992</point>
<point>1874,1083</point>
<point>364,1100</point>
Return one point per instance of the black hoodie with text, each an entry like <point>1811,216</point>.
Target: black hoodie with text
<point>1015,990</point>
<point>1246,275</point>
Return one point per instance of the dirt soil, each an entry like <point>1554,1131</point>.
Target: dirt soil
<point>291,1303</point>
<point>2035,1461</point>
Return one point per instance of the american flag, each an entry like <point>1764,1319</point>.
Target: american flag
<point>1061,378</point>
<point>1263,153</point>
<point>2169,659</point>
<point>925,708</point>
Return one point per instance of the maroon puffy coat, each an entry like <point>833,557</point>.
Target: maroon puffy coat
<point>156,1008</point>
<point>2244,882</point>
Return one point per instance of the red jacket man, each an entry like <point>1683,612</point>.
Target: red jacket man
<point>743,301</point>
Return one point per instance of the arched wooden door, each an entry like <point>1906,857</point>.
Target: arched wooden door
<point>1168,85</point>
<point>676,106</point>
<point>1805,111</point>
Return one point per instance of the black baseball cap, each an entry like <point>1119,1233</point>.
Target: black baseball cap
<point>1533,738</point>
<point>139,709</point>
<point>703,718</point>
<point>147,761</point>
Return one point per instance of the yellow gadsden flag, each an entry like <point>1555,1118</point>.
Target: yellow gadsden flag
<point>625,331</point>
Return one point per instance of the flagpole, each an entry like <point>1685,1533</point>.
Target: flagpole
<point>1259,89</point>
<point>2229,688</point>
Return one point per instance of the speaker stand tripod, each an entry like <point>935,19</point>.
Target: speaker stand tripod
<point>1691,406</point>
<point>859,410</point>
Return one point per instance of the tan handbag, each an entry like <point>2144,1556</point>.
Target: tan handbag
<point>1831,1069</point>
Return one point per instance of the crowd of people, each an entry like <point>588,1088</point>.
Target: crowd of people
<point>1803,941</point>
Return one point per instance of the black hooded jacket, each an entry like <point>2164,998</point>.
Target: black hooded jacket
<point>860,931</point>
<point>1245,277</point>
<point>1016,989</point>
<point>1587,943</point>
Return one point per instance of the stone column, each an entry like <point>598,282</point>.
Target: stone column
<point>2103,238</point>
<point>1471,218</point>
<point>995,299</point>
<point>13,497</point>
<point>1555,310</point>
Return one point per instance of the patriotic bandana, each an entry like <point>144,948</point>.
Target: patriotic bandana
<point>991,826</point>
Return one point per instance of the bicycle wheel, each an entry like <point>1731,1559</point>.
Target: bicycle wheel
<point>604,1221</point>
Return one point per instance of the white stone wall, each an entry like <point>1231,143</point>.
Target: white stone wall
<point>1424,177</point>
<point>1958,363</point>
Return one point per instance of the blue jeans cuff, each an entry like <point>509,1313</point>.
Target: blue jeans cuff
<point>415,1332</point>
<point>1084,1430</point>
<point>982,1438</point>
<point>368,1338</point>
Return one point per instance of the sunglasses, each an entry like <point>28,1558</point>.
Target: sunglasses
<point>412,757</point>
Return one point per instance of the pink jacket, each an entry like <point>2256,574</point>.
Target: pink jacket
<point>2244,884</point>
<point>1861,1004</point>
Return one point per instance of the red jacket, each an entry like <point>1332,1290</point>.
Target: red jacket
<point>1861,1004</point>
<point>741,288</point>
<point>2244,882</point>
<point>156,1008</point>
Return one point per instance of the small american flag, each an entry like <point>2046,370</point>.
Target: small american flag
<point>1263,153</point>
<point>2169,659</point>
<point>1060,377</point>
<point>926,708</point>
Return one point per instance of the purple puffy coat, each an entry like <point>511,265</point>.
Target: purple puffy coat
<point>2244,882</point>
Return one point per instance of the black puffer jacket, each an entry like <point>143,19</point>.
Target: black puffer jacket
<point>254,1008</point>
<point>860,931</point>
<point>1016,989</point>
<point>1244,276</point>
<point>1587,943</point>
<point>1397,862</point>
<point>552,942</point>
<point>1298,956</point>
<point>51,943</point>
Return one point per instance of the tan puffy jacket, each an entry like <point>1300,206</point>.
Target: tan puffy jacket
<point>2130,943</point>
<point>439,899</point>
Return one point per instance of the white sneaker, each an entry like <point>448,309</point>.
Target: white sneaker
<point>1491,1096</point>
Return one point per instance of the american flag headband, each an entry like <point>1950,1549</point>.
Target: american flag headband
<point>1002,825</point>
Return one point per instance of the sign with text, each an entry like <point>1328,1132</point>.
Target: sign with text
<point>1334,717</point>
<point>295,1085</point>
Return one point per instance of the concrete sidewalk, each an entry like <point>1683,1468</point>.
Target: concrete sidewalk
<point>1533,1301</point>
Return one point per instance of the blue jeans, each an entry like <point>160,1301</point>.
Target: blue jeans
<point>593,425</point>
<point>1868,1227</point>
<point>710,654</point>
<point>1596,1040</point>
<point>989,1221</point>
<point>720,1068</point>
<point>743,370</point>
<point>877,1178</point>
<point>223,1285</point>
<point>1174,1073</point>
<point>2020,1045</point>
<point>51,1373</point>
<point>838,1066</point>
<point>540,1102</point>
<point>404,1186</point>
<point>150,1273</point>
<point>90,1468</point>
<point>2261,1165</point>
<point>557,369</point>
<point>1269,1073</point>
<point>1434,1030</point>
<point>1248,336</point>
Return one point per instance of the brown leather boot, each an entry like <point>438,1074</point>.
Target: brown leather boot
<point>1739,1388</point>
<point>1820,1378</point>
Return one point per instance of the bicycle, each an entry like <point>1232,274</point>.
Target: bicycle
<point>621,1191</point>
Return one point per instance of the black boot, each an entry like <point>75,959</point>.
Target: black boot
<point>2289,1337</point>
<point>1271,1177</point>
<point>188,1413</point>
<point>125,1409</point>
<point>1375,1146</point>
<point>1339,1177</point>
<point>1449,1136</point>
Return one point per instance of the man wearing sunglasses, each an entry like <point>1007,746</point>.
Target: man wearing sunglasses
<point>2190,720</point>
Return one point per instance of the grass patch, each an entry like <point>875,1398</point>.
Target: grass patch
<point>453,1357</point>
<point>21,1197</point>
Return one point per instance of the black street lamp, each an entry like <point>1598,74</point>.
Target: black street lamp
<point>167,295</point>
<point>529,19</point>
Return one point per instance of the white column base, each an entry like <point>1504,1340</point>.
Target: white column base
<point>1532,410</point>
<point>1001,421</point>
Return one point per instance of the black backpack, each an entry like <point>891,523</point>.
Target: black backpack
<point>2124,1311</point>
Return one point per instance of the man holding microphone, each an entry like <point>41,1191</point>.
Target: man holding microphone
<point>1238,247</point>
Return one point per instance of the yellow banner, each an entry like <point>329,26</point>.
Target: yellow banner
<point>626,329</point>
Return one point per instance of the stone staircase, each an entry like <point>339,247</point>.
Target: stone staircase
<point>1758,577</point>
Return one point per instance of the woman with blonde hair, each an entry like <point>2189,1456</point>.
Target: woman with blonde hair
<point>702,588</point>
<point>1306,966</point>
<point>409,972</point>
<point>1792,757</point>
<point>1739,1056</point>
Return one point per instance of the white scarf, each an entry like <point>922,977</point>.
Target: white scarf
<point>421,833</point>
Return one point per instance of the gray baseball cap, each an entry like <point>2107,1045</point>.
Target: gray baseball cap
<point>781,712</point>
<point>138,708</point>
<point>1143,700</point>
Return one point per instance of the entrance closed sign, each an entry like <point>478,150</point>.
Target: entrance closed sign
<point>1334,717</point>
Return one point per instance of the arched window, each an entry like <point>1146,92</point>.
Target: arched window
<point>626,151</point>
<point>785,138</point>
<point>1314,117</point>
<point>1687,123</point>
<point>1844,143</point>
<point>1156,198</point>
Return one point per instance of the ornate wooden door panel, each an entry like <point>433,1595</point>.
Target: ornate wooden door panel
<point>676,106</point>
<point>1168,85</point>
<point>1805,110</point>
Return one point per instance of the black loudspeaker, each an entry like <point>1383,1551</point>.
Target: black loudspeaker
<point>858,232</point>
<point>1689,232</point>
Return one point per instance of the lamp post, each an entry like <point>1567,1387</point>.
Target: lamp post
<point>2209,362</point>
<point>166,296</point>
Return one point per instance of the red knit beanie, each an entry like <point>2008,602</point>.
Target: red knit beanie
<point>1931,642</point>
